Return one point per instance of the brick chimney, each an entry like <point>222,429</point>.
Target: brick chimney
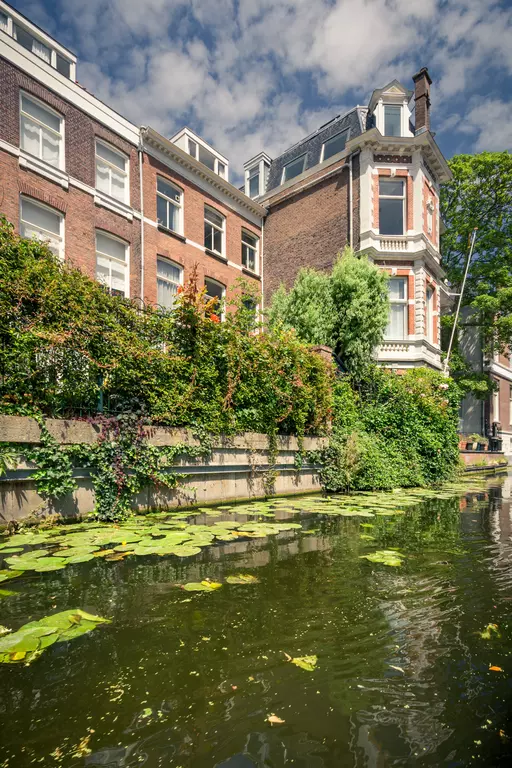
<point>422,83</point>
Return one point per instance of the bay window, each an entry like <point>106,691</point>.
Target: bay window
<point>41,131</point>
<point>214,231</point>
<point>398,306</point>
<point>111,172</point>
<point>169,205</point>
<point>169,277</point>
<point>391,206</point>
<point>42,223</point>
<point>112,263</point>
<point>249,251</point>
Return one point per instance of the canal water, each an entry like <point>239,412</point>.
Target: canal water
<point>413,661</point>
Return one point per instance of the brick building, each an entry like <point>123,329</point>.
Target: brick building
<point>129,207</point>
<point>369,179</point>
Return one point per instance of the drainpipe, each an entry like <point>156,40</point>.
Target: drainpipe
<point>350,204</point>
<point>140,150</point>
<point>261,265</point>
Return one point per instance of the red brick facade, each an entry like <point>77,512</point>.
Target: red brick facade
<point>309,227</point>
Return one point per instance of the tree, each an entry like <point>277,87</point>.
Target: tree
<point>480,195</point>
<point>346,310</point>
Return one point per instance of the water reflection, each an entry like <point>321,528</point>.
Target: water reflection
<point>184,679</point>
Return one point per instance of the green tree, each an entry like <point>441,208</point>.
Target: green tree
<point>480,195</point>
<point>346,310</point>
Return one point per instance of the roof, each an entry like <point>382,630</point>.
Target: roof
<point>311,146</point>
<point>394,88</point>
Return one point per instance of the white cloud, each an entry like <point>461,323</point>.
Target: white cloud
<point>491,119</point>
<point>261,74</point>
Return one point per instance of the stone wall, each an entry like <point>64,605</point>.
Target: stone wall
<point>235,470</point>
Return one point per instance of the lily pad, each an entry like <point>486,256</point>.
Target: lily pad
<point>304,662</point>
<point>242,578</point>
<point>384,556</point>
<point>202,586</point>
<point>6,575</point>
<point>32,639</point>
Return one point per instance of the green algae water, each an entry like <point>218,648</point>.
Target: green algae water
<point>401,602</point>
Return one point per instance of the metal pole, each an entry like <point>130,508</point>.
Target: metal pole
<point>447,359</point>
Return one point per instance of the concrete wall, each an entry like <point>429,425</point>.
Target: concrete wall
<point>235,470</point>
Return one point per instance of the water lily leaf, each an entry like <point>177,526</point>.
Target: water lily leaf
<point>384,556</point>
<point>6,575</point>
<point>304,662</point>
<point>10,550</point>
<point>186,551</point>
<point>489,631</point>
<point>79,559</point>
<point>202,586</point>
<point>7,593</point>
<point>54,564</point>
<point>242,578</point>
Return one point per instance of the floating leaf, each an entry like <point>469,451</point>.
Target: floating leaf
<point>304,662</point>
<point>273,719</point>
<point>384,556</point>
<point>202,586</point>
<point>495,669</point>
<point>242,578</point>
<point>31,639</point>
<point>6,575</point>
<point>488,632</point>
<point>7,593</point>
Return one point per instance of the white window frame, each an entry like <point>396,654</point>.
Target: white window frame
<point>402,197</point>
<point>179,204</point>
<point>331,138</point>
<point>219,229</point>
<point>124,157</point>
<point>393,106</point>
<point>6,28</point>
<point>283,175</point>
<point>166,279</point>
<point>402,303</point>
<point>255,248</point>
<point>510,405</point>
<point>126,263</point>
<point>496,406</point>
<point>254,171</point>
<point>216,162</point>
<point>429,313</point>
<point>50,234</point>
<point>35,39</point>
<point>430,216</point>
<point>62,144</point>
<point>223,298</point>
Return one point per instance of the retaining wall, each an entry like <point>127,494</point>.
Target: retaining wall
<point>235,470</point>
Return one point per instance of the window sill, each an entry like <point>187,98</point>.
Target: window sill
<point>250,273</point>
<point>172,233</point>
<point>216,255</point>
<point>31,163</point>
<point>105,201</point>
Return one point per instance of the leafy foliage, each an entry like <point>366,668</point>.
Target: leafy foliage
<point>480,195</point>
<point>346,310</point>
<point>392,430</point>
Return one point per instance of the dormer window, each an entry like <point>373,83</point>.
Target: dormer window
<point>4,21</point>
<point>29,42</point>
<point>294,168</point>
<point>202,154</point>
<point>254,182</point>
<point>37,42</point>
<point>334,145</point>
<point>392,120</point>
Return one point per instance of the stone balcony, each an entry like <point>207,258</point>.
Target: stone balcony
<point>409,353</point>
<point>414,245</point>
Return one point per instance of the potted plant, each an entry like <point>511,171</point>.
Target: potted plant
<point>483,442</point>
<point>472,442</point>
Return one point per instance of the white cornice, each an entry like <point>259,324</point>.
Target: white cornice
<point>500,370</point>
<point>168,153</point>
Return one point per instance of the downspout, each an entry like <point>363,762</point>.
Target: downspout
<point>261,264</point>
<point>350,205</point>
<point>140,150</point>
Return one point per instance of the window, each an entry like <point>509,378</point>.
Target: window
<point>334,145</point>
<point>510,406</point>
<point>391,206</point>
<point>169,277</point>
<point>206,158</point>
<point>213,231</point>
<point>169,203</point>
<point>63,66</point>
<point>221,169</point>
<point>192,148</point>
<point>42,223</point>
<point>254,183</point>
<point>111,172</point>
<point>4,21</point>
<point>397,325</point>
<point>496,403</point>
<point>430,314</point>
<point>214,290</point>
<point>41,131</point>
<point>392,121</point>
<point>430,217</point>
<point>249,251</point>
<point>294,168</point>
<point>29,42</point>
<point>112,263</point>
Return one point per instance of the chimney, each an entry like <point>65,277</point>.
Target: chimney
<point>422,83</point>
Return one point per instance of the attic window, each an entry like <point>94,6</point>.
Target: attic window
<point>392,120</point>
<point>4,21</point>
<point>334,145</point>
<point>294,168</point>
<point>32,44</point>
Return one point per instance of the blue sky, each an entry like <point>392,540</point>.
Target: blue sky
<point>260,74</point>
